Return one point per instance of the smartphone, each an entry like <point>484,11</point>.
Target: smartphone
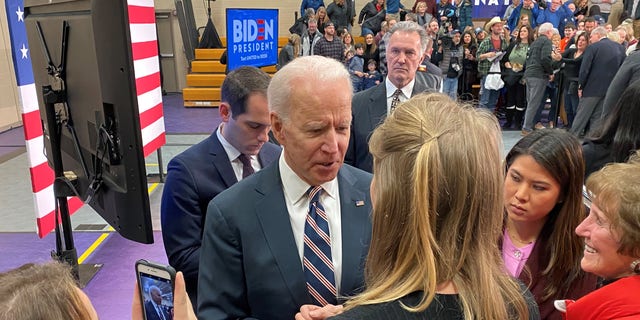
<point>155,286</point>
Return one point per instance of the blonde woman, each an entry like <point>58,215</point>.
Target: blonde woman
<point>290,51</point>
<point>437,213</point>
<point>323,18</point>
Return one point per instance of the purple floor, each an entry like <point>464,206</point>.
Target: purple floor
<point>112,288</point>
<point>178,119</point>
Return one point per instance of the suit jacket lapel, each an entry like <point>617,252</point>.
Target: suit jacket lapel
<point>221,161</point>
<point>378,105</point>
<point>354,230</point>
<point>273,216</point>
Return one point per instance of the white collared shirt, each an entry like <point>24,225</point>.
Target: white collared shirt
<point>297,201</point>
<point>406,92</point>
<point>233,155</point>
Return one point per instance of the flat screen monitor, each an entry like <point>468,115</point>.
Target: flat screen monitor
<point>81,49</point>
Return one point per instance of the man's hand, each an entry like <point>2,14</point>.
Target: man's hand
<point>313,312</point>
<point>579,93</point>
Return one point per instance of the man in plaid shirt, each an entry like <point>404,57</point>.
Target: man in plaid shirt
<point>330,46</point>
<point>489,48</point>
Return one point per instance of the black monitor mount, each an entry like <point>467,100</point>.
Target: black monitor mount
<point>58,115</point>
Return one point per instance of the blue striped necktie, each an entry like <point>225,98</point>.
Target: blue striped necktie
<point>318,266</point>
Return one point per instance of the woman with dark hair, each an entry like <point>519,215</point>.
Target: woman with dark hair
<point>469,66</point>
<point>370,49</point>
<point>543,204</point>
<point>618,136</point>
<point>514,61</point>
<point>572,58</point>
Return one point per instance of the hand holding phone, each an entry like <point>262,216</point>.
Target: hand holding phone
<point>155,288</point>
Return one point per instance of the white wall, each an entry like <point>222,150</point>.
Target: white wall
<point>9,110</point>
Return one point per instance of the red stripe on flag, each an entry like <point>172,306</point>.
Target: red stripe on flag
<point>143,50</point>
<point>154,144</point>
<point>260,21</point>
<point>48,222</point>
<point>139,14</point>
<point>260,30</point>
<point>41,177</point>
<point>147,83</point>
<point>75,203</point>
<point>260,38</point>
<point>32,124</point>
<point>150,116</point>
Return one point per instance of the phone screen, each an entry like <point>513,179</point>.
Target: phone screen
<point>157,295</point>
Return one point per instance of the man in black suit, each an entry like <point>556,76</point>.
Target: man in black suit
<point>153,309</point>
<point>197,175</point>
<point>405,49</point>
<point>600,62</point>
<point>258,245</point>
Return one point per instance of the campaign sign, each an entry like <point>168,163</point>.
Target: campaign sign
<point>487,9</point>
<point>252,37</point>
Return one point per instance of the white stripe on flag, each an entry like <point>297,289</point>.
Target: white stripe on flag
<point>35,150</point>
<point>152,131</point>
<point>149,99</point>
<point>28,97</point>
<point>143,32</point>
<point>45,202</point>
<point>141,3</point>
<point>145,67</point>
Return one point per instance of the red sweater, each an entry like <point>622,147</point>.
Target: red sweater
<point>617,300</point>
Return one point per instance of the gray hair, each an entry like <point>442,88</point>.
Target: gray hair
<point>600,31</point>
<point>309,12</point>
<point>154,288</point>
<point>318,70</point>
<point>409,27</point>
<point>545,28</point>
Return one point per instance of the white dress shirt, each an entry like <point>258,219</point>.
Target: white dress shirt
<point>297,200</point>
<point>406,92</point>
<point>233,155</point>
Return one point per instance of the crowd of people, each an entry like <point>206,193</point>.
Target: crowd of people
<point>390,199</point>
<point>532,56</point>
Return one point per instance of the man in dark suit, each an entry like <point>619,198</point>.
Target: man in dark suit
<point>204,170</point>
<point>259,257</point>
<point>153,308</point>
<point>600,62</point>
<point>406,46</point>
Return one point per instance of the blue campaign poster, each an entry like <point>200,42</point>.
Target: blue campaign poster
<point>252,37</point>
<point>487,9</point>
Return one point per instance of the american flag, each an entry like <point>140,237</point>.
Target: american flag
<point>148,89</point>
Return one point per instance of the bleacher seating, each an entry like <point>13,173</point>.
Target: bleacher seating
<point>207,74</point>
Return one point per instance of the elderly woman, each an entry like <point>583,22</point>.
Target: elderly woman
<point>611,235</point>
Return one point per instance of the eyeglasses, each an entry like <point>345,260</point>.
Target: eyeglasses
<point>587,197</point>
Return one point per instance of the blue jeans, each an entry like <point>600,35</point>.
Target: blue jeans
<point>570,106</point>
<point>488,98</point>
<point>450,87</point>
